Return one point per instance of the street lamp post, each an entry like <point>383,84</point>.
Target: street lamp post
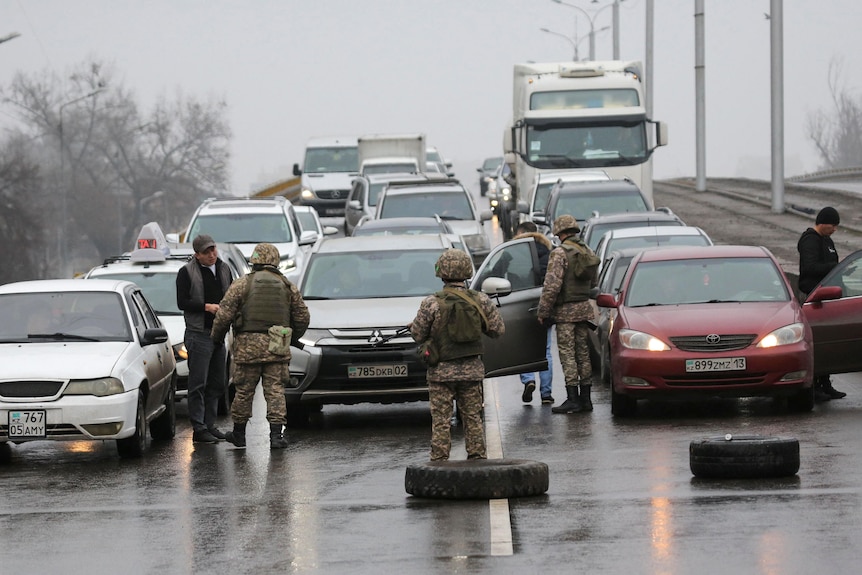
<point>64,227</point>
<point>592,20</point>
<point>575,43</point>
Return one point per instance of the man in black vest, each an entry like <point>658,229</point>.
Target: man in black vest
<point>201,284</point>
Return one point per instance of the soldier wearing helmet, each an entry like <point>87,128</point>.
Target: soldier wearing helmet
<point>267,313</point>
<point>201,284</point>
<point>565,302</point>
<point>452,321</point>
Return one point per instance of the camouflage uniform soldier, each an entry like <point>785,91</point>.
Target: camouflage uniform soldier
<point>267,312</point>
<point>566,301</point>
<point>458,375</point>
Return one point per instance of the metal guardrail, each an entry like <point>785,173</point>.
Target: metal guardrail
<point>827,175</point>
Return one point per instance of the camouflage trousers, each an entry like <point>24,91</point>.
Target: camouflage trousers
<point>245,378</point>
<point>468,395</point>
<point>573,347</point>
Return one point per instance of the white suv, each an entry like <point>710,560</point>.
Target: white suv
<point>247,222</point>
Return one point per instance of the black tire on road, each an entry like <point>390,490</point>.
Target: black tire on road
<point>134,446</point>
<point>477,479</point>
<point>802,402</point>
<point>164,427</point>
<point>622,405</point>
<point>744,456</point>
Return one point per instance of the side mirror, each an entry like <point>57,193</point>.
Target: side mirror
<point>296,170</point>
<point>154,335</point>
<point>485,215</point>
<point>329,230</point>
<point>307,238</point>
<point>496,286</point>
<point>606,300</point>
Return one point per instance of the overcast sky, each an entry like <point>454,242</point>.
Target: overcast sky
<point>291,70</point>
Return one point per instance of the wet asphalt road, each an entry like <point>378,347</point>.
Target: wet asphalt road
<point>622,498</point>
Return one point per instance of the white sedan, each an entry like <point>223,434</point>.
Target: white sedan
<point>84,360</point>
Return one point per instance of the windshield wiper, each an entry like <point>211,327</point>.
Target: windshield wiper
<point>59,336</point>
<point>314,297</point>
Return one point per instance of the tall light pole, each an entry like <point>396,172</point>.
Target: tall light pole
<point>64,192</point>
<point>574,44</point>
<point>591,18</point>
<point>10,36</point>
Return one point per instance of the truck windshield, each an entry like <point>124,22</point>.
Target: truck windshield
<point>325,160</point>
<point>580,146</point>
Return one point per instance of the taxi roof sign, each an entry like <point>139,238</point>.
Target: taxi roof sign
<point>151,245</point>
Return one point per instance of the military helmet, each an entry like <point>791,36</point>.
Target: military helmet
<point>566,223</point>
<point>265,254</point>
<point>454,265</point>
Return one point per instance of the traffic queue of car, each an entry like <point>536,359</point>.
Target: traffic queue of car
<point>103,359</point>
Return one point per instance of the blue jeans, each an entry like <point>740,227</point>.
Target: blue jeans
<point>546,376</point>
<point>206,378</point>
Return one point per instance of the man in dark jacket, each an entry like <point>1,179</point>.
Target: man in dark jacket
<point>817,257</point>
<point>543,250</point>
<point>201,284</point>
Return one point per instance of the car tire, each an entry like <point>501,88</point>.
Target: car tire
<point>5,453</point>
<point>605,365</point>
<point>297,416</point>
<point>164,427</point>
<point>477,479</point>
<point>622,405</point>
<point>134,446</point>
<point>744,457</point>
<point>802,402</point>
<point>226,399</point>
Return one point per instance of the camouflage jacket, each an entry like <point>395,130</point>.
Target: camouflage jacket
<point>254,347</point>
<point>568,312</point>
<point>428,323</point>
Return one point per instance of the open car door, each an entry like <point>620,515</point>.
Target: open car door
<point>837,323</point>
<point>522,348</point>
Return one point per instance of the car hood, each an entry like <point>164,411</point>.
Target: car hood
<point>721,318</point>
<point>59,360</point>
<point>284,249</point>
<point>329,181</point>
<point>363,313</point>
<point>465,227</point>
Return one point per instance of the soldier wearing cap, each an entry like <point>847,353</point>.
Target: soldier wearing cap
<point>565,302</point>
<point>459,372</point>
<point>201,284</point>
<point>267,313</point>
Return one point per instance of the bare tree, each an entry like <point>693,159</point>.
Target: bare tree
<point>110,168</point>
<point>837,135</point>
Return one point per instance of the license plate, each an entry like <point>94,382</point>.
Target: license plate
<point>27,424</point>
<point>715,364</point>
<point>376,371</point>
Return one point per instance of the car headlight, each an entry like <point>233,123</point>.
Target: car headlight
<point>312,336</point>
<point>639,340</point>
<point>98,387</point>
<point>180,351</point>
<point>494,203</point>
<point>477,242</point>
<point>307,194</point>
<point>287,264</point>
<point>788,334</point>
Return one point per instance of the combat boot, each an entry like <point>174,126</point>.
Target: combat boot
<point>572,403</point>
<point>586,402</point>
<point>276,439</point>
<point>237,436</point>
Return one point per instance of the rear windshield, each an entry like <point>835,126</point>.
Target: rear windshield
<point>241,228</point>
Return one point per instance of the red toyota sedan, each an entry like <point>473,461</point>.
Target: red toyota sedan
<point>713,321</point>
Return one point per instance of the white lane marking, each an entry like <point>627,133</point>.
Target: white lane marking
<point>501,524</point>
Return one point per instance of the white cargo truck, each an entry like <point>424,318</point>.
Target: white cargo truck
<point>570,116</point>
<point>327,173</point>
<point>391,153</point>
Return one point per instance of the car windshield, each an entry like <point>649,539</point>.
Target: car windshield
<point>390,273</point>
<point>657,240</point>
<point>337,159</point>
<point>243,228</point>
<point>62,316</point>
<point>581,206</point>
<point>596,231</point>
<point>491,164</point>
<point>160,289</point>
<point>447,205</point>
<point>707,280</point>
<point>307,221</point>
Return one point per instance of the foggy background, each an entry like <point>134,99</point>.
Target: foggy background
<point>291,70</point>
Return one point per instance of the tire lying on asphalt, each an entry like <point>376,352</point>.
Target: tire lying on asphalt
<point>744,456</point>
<point>477,479</point>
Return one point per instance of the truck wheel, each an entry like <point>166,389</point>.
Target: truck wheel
<point>477,479</point>
<point>743,457</point>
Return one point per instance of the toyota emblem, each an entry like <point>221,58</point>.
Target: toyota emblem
<point>713,339</point>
